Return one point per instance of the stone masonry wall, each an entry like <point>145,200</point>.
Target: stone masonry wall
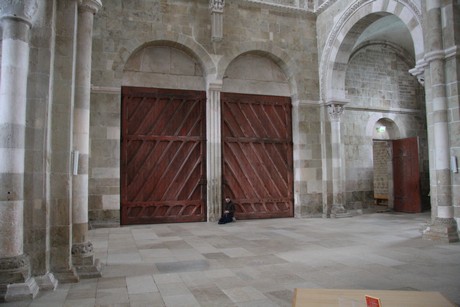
<point>285,36</point>
<point>380,158</point>
<point>379,86</point>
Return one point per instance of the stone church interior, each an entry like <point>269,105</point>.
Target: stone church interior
<point>311,115</point>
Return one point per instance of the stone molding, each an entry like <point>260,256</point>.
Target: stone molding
<point>275,6</point>
<point>335,112</point>
<point>14,263</point>
<point>217,6</point>
<point>18,9</point>
<point>419,69</point>
<point>92,6</point>
<point>82,249</point>
<point>14,269</point>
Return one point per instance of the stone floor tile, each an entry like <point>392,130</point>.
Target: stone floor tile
<point>108,297</point>
<point>182,266</point>
<point>260,262</point>
<point>167,278</point>
<point>111,283</point>
<point>258,303</point>
<point>244,294</point>
<point>171,289</point>
<point>186,300</point>
<point>141,284</point>
<point>146,300</point>
<point>128,258</point>
<point>89,302</point>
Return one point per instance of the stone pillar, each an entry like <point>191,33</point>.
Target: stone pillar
<point>443,226</point>
<point>335,110</point>
<point>214,152</point>
<point>217,19</point>
<point>16,282</point>
<point>82,249</point>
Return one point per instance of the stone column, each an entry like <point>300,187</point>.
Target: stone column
<point>82,249</point>
<point>443,225</point>
<point>16,282</point>
<point>335,110</point>
<point>214,152</point>
<point>217,19</point>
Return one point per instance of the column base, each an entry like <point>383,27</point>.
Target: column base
<point>89,271</point>
<point>442,229</point>
<point>19,291</point>
<point>67,277</point>
<point>338,210</point>
<point>83,260</point>
<point>47,282</point>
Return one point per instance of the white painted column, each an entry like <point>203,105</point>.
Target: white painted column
<point>15,280</point>
<point>335,110</point>
<point>82,249</point>
<point>214,152</point>
<point>443,226</point>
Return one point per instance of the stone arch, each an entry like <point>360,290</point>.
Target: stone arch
<point>386,129</point>
<point>387,120</point>
<point>170,39</point>
<point>346,31</point>
<point>277,55</point>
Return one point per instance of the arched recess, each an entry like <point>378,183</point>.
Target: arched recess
<point>268,51</point>
<point>163,147</point>
<point>346,32</point>
<point>257,157</point>
<point>170,39</point>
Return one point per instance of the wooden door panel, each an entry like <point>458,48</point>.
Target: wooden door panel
<point>163,156</point>
<point>406,176</point>
<point>257,155</point>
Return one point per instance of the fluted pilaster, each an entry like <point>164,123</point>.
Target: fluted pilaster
<point>214,152</point>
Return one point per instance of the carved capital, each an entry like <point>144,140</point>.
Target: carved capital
<point>217,5</point>
<point>19,9</point>
<point>92,6</point>
<point>335,111</point>
<point>82,249</point>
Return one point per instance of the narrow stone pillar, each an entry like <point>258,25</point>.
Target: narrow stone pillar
<point>214,152</point>
<point>82,249</point>
<point>217,19</point>
<point>443,226</point>
<point>16,282</point>
<point>335,110</point>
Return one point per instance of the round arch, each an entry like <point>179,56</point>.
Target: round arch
<point>277,55</point>
<point>173,40</point>
<point>342,38</point>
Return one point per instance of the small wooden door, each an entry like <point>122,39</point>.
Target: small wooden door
<point>257,155</point>
<point>163,175</point>
<point>406,176</point>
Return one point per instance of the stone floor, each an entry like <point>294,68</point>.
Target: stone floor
<point>260,262</point>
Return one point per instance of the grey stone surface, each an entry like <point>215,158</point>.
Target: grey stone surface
<point>265,260</point>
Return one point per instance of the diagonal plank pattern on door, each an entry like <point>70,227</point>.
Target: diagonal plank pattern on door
<point>257,155</point>
<point>163,156</point>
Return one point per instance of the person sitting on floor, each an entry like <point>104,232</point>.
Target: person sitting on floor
<point>229,210</point>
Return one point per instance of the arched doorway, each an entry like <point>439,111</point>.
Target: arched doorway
<point>384,131</point>
<point>257,138</point>
<point>163,147</point>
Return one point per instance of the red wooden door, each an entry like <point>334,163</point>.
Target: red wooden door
<point>162,156</point>
<point>257,155</point>
<point>406,176</point>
